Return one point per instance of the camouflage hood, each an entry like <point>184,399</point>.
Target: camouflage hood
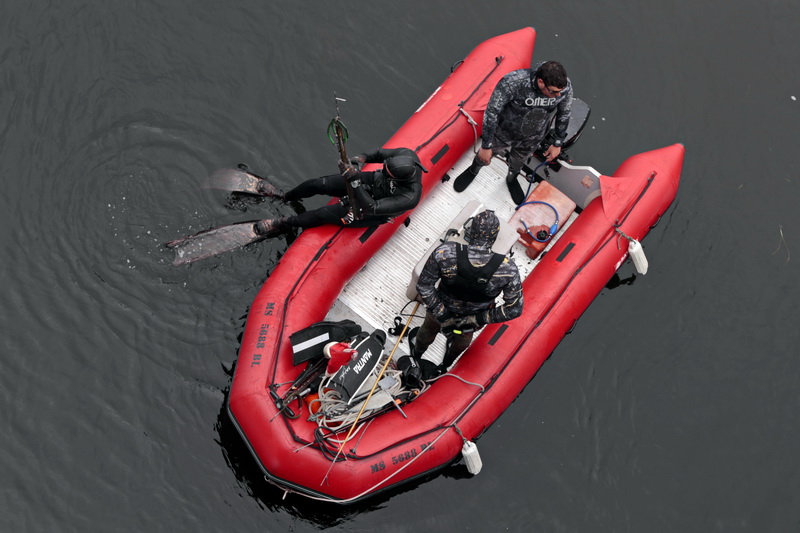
<point>483,229</point>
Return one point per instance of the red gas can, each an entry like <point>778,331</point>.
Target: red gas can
<point>540,216</point>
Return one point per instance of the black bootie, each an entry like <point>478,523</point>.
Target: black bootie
<point>412,345</point>
<point>465,178</point>
<point>517,195</point>
<point>427,369</point>
<point>265,188</point>
<point>411,372</point>
<point>270,227</point>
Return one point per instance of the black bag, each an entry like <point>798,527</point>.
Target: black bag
<point>308,343</point>
<point>412,372</point>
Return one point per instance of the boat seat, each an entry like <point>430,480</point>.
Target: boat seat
<point>506,238</point>
<point>581,184</point>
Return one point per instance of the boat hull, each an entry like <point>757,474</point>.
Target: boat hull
<point>503,358</point>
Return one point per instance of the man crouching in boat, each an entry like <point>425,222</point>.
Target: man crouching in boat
<point>471,278</point>
<point>379,195</point>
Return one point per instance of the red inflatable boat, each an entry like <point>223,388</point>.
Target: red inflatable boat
<point>329,273</point>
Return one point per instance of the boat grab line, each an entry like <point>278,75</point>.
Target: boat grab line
<point>413,459</point>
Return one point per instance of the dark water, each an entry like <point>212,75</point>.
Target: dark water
<point>673,406</point>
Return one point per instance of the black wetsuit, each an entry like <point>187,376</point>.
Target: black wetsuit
<point>381,197</point>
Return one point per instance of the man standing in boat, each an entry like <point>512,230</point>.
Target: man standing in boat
<point>517,118</point>
<point>379,195</point>
<point>472,277</point>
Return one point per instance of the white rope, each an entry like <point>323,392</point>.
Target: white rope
<point>333,412</point>
<point>635,251</point>
<point>420,454</point>
<point>622,233</point>
<point>474,129</point>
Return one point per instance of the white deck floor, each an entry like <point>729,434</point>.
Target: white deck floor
<point>377,294</point>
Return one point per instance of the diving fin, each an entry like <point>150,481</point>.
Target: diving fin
<point>242,181</point>
<point>214,241</point>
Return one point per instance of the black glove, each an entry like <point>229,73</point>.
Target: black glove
<point>359,160</point>
<point>348,217</point>
<point>468,323</point>
<point>461,324</point>
<point>449,324</point>
<point>444,316</point>
<point>347,171</point>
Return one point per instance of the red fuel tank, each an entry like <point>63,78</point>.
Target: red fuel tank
<point>546,210</point>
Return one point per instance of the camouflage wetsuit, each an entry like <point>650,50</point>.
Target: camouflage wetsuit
<point>443,305</point>
<point>518,116</point>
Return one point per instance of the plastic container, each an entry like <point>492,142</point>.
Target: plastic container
<point>532,218</point>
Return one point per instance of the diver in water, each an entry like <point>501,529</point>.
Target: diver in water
<point>518,115</point>
<point>472,277</point>
<point>380,195</point>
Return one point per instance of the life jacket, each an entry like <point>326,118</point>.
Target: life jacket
<point>471,283</point>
